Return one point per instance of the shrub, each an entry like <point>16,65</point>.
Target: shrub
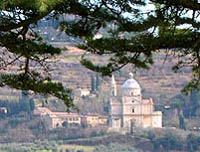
<point>193,143</point>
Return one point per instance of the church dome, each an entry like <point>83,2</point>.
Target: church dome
<point>131,83</point>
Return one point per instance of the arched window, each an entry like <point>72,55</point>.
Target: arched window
<point>132,93</point>
<point>133,101</point>
<point>133,110</point>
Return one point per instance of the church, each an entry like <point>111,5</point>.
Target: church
<point>131,109</point>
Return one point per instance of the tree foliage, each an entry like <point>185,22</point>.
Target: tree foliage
<point>22,46</point>
<point>16,106</point>
<point>169,27</point>
<point>166,26</point>
<point>192,143</point>
<point>182,122</point>
<point>92,84</point>
<point>97,82</point>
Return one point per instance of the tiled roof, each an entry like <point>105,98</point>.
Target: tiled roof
<point>46,111</point>
<point>147,101</point>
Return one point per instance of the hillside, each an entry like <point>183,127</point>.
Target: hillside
<point>159,82</point>
<point>141,140</point>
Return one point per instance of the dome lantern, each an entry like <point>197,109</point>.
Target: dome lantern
<point>130,75</point>
<point>131,87</point>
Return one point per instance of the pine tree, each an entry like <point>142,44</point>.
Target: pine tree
<point>22,44</point>
<point>133,36</point>
<point>151,31</point>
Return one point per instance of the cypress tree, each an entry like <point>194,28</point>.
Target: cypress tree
<point>182,122</point>
<point>97,82</point>
<point>43,103</point>
<point>194,102</point>
<point>93,88</point>
<point>24,95</point>
<point>32,104</point>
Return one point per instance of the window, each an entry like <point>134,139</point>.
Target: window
<point>133,110</point>
<point>132,93</point>
<point>133,101</point>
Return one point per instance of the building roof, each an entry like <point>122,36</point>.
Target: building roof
<point>46,111</point>
<point>147,101</point>
<point>131,83</point>
<point>42,110</point>
<point>64,114</point>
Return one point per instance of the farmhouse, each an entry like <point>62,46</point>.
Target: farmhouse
<point>65,119</point>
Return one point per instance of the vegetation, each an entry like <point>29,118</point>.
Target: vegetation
<point>153,30</point>
<point>23,47</point>
<point>116,148</point>
<point>15,107</point>
<point>182,122</point>
<point>188,105</point>
<point>92,84</point>
<point>140,141</point>
<point>133,36</point>
<point>97,82</point>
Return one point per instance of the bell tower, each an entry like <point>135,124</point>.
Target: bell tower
<point>113,91</point>
<point>115,107</point>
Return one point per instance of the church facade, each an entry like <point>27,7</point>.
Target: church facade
<point>131,109</point>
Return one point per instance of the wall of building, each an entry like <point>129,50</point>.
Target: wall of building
<point>135,108</point>
<point>157,120</point>
<point>92,120</point>
<point>147,109</point>
<point>115,108</point>
<point>147,121</point>
<point>131,92</point>
<point>116,122</point>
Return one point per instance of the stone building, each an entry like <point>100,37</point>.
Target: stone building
<point>94,120</point>
<point>65,119</point>
<point>131,109</point>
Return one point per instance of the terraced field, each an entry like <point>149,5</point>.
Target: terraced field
<point>159,82</point>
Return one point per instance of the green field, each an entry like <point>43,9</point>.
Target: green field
<point>43,147</point>
<point>76,148</point>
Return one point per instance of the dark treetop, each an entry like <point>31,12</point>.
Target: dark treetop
<point>133,35</point>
